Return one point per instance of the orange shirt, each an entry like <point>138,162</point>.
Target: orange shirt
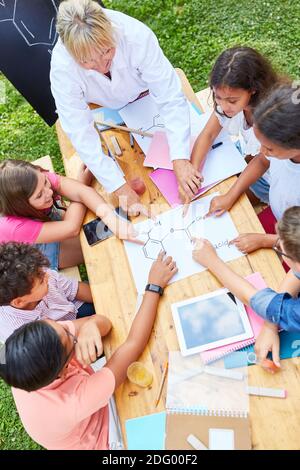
<point>71,413</point>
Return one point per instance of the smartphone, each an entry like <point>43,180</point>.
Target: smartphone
<point>96,231</point>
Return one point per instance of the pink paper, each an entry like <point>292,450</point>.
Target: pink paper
<point>158,155</point>
<point>166,182</point>
<point>256,323</point>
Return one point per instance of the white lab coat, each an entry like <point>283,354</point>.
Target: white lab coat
<point>139,64</point>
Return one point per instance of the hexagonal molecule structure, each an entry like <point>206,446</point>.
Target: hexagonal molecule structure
<point>152,248</point>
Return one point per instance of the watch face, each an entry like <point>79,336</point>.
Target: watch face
<point>154,288</point>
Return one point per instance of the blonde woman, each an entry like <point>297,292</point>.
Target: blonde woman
<point>108,58</point>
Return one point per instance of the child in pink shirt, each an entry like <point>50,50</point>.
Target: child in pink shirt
<point>62,404</point>
<point>28,200</point>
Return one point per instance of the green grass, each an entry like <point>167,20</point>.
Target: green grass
<point>192,34</point>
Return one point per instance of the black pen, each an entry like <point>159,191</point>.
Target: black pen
<point>214,146</point>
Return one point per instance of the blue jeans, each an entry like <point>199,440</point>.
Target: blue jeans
<point>51,250</point>
<point>261,190</point>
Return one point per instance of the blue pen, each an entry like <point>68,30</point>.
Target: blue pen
<point>214,146</point>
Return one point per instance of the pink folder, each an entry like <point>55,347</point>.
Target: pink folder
<point>158,155</point>
<point>166,182</point>
<point>256,323</point>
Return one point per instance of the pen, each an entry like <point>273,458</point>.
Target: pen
<point>214,146</point>
<point>163,378</point>
<point>131,140</point>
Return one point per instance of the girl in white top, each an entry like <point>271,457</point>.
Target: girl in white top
<point>108,58</point>
<point>239,79</point>
<point>276,123</point>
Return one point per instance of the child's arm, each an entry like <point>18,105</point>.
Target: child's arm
<point>268,339</point>
<point>161,272</point>
<point>57,231</point>
<point>84,292</point>
<point>205,254</point>
<point>204,142</point>
<point>277,308</point>
<point>290,284</point>
<point>254,170</point>
<point>89,333</point>
<point>76,191</point>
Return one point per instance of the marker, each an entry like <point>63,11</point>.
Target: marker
<point>267,392</point>
<point>215,146</point>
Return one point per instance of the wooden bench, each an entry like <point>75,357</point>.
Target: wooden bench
<point>46,163</point>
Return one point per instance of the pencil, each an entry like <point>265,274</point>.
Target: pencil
<point>163,378</point>
<point>124,128</point>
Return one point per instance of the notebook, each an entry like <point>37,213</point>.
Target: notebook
<point>256,323</point>
<point>198,402</point>
<point>146,432</point>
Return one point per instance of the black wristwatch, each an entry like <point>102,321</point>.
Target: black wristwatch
<point>154,288</point>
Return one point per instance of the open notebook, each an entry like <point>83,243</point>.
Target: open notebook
<point>256,323</point>
<point>199,401</point>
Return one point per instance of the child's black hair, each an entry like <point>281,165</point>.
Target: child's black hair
<point>278,116</point>
<point>20,265</point>
<point>33,356</point>
<point>243,67</point>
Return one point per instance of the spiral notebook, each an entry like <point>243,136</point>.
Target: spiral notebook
<point>198,401</point>
<point>256,323</point>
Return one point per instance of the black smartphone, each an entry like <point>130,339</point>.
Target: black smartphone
<point>96,231</point>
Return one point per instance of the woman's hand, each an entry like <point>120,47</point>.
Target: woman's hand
<point>162,270</point>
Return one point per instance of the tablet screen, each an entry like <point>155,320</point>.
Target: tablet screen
<point>210,321</point>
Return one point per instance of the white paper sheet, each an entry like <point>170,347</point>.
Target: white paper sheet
<point>173,233</point>
<point>221,163</point>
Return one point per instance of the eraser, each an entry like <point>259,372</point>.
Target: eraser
<point>195,443</point>
<point>270,366</point>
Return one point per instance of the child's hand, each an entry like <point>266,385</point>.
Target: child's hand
<point>84,175</point>
<point>162,270</point>
<point>268,340</point>
<point>126,231</point>
<point>89,346</point>
<point>248,242</point>
<point>219,205</point>
<point>203,251</point>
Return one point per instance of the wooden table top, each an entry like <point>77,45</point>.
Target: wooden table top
<point>275,423</point>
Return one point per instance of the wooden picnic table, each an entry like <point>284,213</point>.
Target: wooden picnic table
<point>275,423</point>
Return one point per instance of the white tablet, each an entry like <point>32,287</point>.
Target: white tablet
<point>209,321</point>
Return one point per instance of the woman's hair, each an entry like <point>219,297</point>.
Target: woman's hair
<point>82,26</point>
<point>289,232</point>
<point>243,67</point>
<point>18,181</point>
<point>20,265</point>
<point>32,357</point>
<point>278,116</point>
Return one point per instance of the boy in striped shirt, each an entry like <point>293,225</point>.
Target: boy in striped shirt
<point>30,291</point>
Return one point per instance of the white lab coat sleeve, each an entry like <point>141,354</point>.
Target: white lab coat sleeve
<point>77,121</point>
<point>165,88</point>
